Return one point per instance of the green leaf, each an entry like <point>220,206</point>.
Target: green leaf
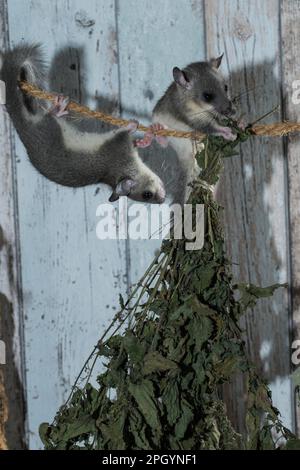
<point>171,400</point>
<point>143,393</point>
<point>251,293</point>
<point>113,430</point>
<point>200,329</point>
<point>184,420</point>
<point>134,347</point>
<point>137,427</point>
<point>154,362</point>
<point>82,425</point>
<point>292,444</point>
<point>44,433</point>
<point>205,276</point>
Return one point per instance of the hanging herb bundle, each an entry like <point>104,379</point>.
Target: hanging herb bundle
<point>167,352</point>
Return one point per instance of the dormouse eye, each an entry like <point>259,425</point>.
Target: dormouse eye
<point>208,96</point>
<point>226,88</point>
<point>147,195</point>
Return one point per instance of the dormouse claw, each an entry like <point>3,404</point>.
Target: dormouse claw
<point>60,105</point>
<point>226,133</point>
<point>147,140</point>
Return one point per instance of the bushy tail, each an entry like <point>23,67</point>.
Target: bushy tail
<point>24,62</point>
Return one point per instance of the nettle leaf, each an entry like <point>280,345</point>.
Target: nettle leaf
<point>93,398</point>
<point>264,402</point>
<point>266,441</point>
<point>199,367</point>
<point>181,313</point>
<point>143,393</point>
<point>200,329</point>
<point>187,380</point>
<point>137,426</point>
<point>185,419</point>
<point>179,352</point>
<point>171,400</point>
<point>113,430</point>
<point>44,433</point>
<point>154,362</point>
<point>292,444</point>
<point>158,305</point>
<point>134,347</point>
<point>226,368</point>
<point>83,424</point>
<point>251,293</point>
<point>205,276</point>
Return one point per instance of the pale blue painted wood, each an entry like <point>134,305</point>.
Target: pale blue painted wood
<point>254,185</point>
<point>70,279</point>
<point>153,38</point>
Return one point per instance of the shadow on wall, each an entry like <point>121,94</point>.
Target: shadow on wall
<point>250,213</point>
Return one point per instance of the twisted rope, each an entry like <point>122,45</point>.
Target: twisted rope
<point>277,129</point>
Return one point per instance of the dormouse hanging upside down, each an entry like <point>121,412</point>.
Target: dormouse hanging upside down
<point>61,152</point>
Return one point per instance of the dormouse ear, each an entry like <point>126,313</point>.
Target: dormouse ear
<point>181,79</point>
<point>122,189</point>
<point>215,63</point>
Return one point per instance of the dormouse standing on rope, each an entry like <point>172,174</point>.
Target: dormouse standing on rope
<point>195,101</point>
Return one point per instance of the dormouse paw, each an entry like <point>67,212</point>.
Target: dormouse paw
<point>60,105</point>
<point>242,124</point>
<point>226,133</point>
<point>147,140</point>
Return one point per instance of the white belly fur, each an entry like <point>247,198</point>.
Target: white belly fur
<point>85,142</point>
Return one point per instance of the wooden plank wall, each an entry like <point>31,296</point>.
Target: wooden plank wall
<point>253,190</point>
<point>124,50</point>
<point>12,414</point>
<point>290,20</point>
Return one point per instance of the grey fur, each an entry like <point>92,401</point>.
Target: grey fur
<point>113,162</point>
<point>201,77</point>
<point>184,107</point>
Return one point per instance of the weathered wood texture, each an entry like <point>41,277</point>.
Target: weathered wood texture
<point>123,52</point>
<point>253,190</point>
<point>290,20</point>
<point>12,423</point>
